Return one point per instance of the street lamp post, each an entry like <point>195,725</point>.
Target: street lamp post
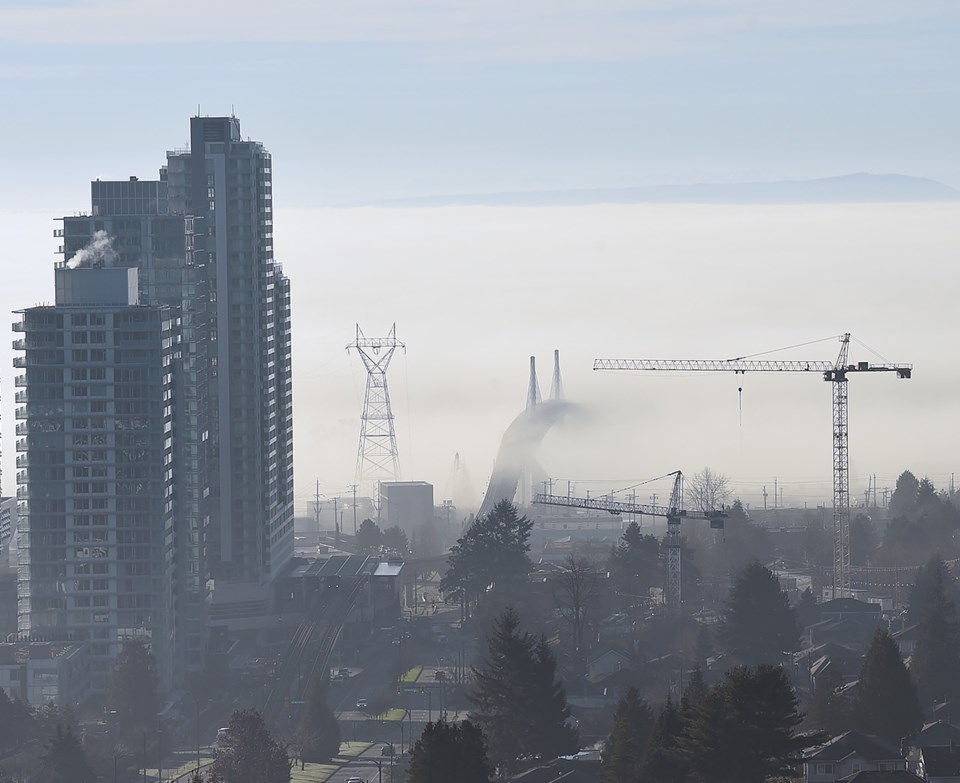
<point>198,734</point>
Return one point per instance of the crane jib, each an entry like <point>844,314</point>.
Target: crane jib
<point>743,366</point>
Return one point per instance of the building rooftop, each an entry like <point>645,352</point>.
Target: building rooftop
<point>853,743</point>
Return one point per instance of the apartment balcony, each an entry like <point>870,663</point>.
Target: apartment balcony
<point>19,345</point>
<point>22,445</point>
<point>22,494</point>
<point>20,381</point>
<point>20,413</point>
<point>23,460</point>
<point>20,396</point>
<point>22,477</point>
<point>20,361</point>
<point>57,233</point>
<point>19,326</point>
<point>21,428</point>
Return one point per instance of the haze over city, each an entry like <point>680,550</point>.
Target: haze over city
<point>213,215</point>
<point>449,99</point>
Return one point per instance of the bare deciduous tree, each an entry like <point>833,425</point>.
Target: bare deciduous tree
<point>708,491</point>
<point>576,592</point>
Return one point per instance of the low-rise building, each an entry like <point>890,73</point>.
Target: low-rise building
<point>939,764</point>
<point>848,754</point>
<point>41,673</point>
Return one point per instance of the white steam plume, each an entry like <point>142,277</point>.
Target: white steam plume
<point>99,251</point>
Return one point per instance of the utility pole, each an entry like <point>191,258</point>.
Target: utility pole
<point>764,497</point>
<point>354,488</point>
<point>317,506</point>
<point>336,520</point>
<point>775,493</point>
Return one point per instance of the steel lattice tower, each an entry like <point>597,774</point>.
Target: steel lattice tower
<point>377,456</point>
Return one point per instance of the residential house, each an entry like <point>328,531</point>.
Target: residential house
<point>887,776</point>
<point>848,754</point>
<point>840,608</point>
<point>609,661</point>
<point>939,764</point>
<point>813,664</point>
<point>938,734</point>
<point>852,630</point>
<point>906,639</point>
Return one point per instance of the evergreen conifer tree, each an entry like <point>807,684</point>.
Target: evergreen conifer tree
<point>625,750</point>
<point>450,752</point>
<point>744,730</point>
<point>936,658</point>
<point>249,754</point>
<point>65,760</point>
<point>759,623</point>
<point>887,702</point>
<point>665,762</point>
<point>134,687</point>
<point>319,731</point>
<point>518,701</point>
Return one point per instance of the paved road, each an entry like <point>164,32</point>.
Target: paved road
<point>364,767</point>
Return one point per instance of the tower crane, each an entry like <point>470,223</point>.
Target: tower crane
<point>836,374</point>
<point>674,513</point>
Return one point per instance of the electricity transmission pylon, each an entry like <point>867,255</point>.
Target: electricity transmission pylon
<point>377,456</point>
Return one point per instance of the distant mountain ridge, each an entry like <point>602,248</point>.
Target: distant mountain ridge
<point>851,188</point>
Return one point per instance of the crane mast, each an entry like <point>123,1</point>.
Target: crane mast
<point>674,513</point>
<point>836,374</point>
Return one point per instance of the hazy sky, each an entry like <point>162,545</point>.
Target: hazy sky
<point>361,100</point>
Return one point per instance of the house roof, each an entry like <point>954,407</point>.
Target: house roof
<point>830,649</point>
<point>938,734</point>
<point>611,651</point>
<point>625,676</point>
<point>939,762</point>
<point>854,743</point>
<point>886,776</point>
<point>908,634</point>
<point>850,605</point>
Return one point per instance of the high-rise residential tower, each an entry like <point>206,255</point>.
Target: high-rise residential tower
<point>94,481</point>
<point>201,236</point>
<point>226,182</point>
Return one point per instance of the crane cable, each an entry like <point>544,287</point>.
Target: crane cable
<point>785,348</point>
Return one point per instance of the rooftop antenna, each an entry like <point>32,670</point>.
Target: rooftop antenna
<point>377,455</point>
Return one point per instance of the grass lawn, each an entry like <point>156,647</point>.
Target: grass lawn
<point>412,675</point>
<point>395,714</point>
<point>352,749</point>
<point>314,773</point>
